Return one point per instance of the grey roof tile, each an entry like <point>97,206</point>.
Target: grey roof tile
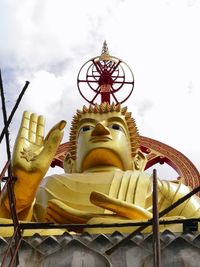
<point>148,243</point>
<point>49,245</point>
<point>100,243</point>
<point>129,255</point>
<point>196,241</point>
<point>35,239</point>
<point>89,250</point>
<point>167,236</point>
<point>75,254</point>
<point>3,245</point>
<point>64,239</point>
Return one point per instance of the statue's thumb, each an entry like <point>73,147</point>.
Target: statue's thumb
<point>52,141</point>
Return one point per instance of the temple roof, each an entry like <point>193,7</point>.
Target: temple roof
<point>89,250</point>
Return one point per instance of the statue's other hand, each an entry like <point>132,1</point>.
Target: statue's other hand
<point>120,207</point>
<point>32,153</point>
<point>59,212</point>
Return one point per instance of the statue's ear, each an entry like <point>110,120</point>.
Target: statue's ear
<point>68,164</point>
<point>139,161</point>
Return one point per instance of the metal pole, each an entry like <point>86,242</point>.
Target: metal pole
<point>156,234</point>
<point>3,173</point>
<point>14,257</point>
<point>10,193</point>
<point>9,247</point>
<point>13,111</point>
<point>161,214</point>
<point>10,181</point>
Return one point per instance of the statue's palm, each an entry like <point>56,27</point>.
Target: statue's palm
<point>31,159</point>
<point>32,153</point>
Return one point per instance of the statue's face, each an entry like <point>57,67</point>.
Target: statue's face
<point>103,141</point>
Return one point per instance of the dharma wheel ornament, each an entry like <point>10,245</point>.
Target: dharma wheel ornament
<point>105,79</point>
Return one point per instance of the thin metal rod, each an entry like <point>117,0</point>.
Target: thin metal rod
<point>9,247</point>
<point>14,110</point>
<point>10,190</point>
<point>156,234</point>
<point>97,225</point>
<point>161,214</point>
<point>3,174</point>
<point>15,255</point>
<point>10,184</point>
<point>5,118</point>
<point>4,170</point>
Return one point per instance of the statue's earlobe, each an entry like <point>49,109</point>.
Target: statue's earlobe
<point>69,164</point>
<point>139,161</point>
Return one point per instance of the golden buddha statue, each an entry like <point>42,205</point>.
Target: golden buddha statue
<point>104,181</point>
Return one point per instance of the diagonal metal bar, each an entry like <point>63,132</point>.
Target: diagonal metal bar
<point>10,191</point>
<point>161,214</point>
<point>13,260</point>
<point>9,248</point>
<point>5,168</point>
<point>13,110</point>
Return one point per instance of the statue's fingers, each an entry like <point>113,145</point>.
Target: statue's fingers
<point>32,127</point>
<point>52,219</point>
<point>121,207</point>
<point>52,216</point>
<point>69,214</point>
<point>24,128</point>
<point>40,130</point>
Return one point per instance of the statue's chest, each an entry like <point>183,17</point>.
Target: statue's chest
<point>75,189</point>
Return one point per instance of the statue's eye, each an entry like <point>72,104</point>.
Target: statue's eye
<point>116,126</point>
<point>86,128</point>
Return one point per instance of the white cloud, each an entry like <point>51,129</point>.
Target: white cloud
<point>47,42</point>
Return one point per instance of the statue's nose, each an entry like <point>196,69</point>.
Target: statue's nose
<point>100,129</point>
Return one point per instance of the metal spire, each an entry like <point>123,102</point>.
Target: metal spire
<point>105,53</point>
<point>105,48</point>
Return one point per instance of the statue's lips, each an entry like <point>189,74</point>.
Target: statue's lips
<point>100,139</point>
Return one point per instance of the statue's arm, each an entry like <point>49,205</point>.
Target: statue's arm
<point>170,192</point>
<point>32,156</point>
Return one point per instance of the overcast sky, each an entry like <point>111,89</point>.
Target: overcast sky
<point>46,42</point>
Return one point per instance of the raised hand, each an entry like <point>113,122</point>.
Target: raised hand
<point>32,156</point>
<point>32,152</point>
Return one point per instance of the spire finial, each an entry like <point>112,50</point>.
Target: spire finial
<point>105,48</point>
<point>105,53</point>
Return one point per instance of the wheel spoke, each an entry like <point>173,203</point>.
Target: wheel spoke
<point>114,67</point>
<point>124,82</point>
<point>96,95</point>
<point>114,96</point>
<point>96,76</point>
<point>90,81</point>
<point>98,67</point>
